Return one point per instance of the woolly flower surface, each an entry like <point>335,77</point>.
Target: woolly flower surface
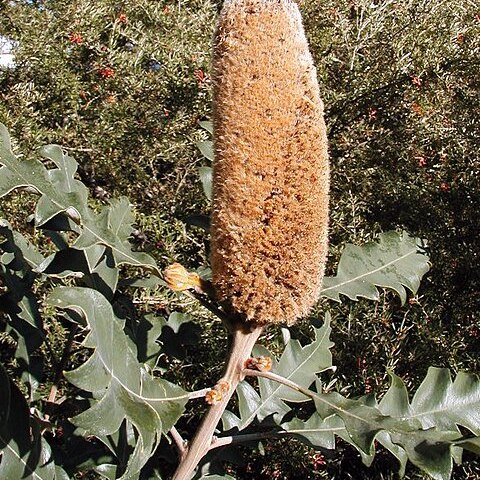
<point>271,174</point>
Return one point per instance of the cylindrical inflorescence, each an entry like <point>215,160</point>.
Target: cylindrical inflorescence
<point>271,173</point>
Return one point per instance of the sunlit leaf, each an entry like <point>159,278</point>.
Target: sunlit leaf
<point>207,125</point>
<point>61,195</point>
<point>397,261</point>
<point>316,431</point>
<point>206,149</point>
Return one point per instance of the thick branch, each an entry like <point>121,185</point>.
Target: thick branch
<point>242,345</point>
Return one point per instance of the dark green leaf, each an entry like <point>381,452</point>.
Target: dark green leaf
<point>24,454</point>
<point>122,387</point>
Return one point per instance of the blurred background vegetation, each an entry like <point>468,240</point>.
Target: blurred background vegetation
<point>123,85</point>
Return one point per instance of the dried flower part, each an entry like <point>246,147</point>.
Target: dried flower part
<point>213,396</point>
<point>223,386</point>
<point>178,278</point>
<point>271,173</point>
<point>262,364</point>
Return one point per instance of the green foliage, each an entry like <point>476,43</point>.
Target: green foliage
<point>124,393</point>
<point>122,388</point>
<point>400,84</point>
<point>297,364</point>
<point>394,262</point>
<point>25,453</point>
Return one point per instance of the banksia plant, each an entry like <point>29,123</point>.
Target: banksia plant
<point>271,173</point>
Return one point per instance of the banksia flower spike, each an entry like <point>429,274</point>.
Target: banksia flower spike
<point>271,173</point>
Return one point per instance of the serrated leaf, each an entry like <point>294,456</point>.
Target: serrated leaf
<point>63,175</point>
<point>179,332</point>
<point>316,431</point>
<point>206,179</point>
<point>206,149</point>
<point>120,217</point>
<point>24,454</point>
<point>395,262</point>
<point>426,430</point>
<point>22,250</point>
<point>19,303</point>
<point>438,402</point>
<point>441,403</point>
<point>61,195</point>
<point>122,387</point>
<point>298,364</point>
<point>102,229</point>
<point>147,335</point>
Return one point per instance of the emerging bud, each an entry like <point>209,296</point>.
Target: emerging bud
<point>262,364</point>
<point>223,386</point>
<point>271,172</point>
<point>213,396</point>
<point>178,278</point>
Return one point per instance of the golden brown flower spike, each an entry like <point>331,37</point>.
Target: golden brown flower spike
<point>270,187</point>
<point>271,173</point>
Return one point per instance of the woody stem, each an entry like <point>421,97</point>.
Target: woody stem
<point>242,344</point>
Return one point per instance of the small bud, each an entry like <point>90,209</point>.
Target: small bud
<point>262,364</point>
<point>223,386</point>
<point>213,396</point>
<point>178,278</point>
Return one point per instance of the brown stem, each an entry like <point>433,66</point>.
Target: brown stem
<point>179,442</point>
<point>242,344</point>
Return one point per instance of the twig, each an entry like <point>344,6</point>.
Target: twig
<point>208,305</point>
<point>179,442</point>
<point>278,378</point>
<point>246,437</point>
<point>198,393</point>
<point>78,149</point>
